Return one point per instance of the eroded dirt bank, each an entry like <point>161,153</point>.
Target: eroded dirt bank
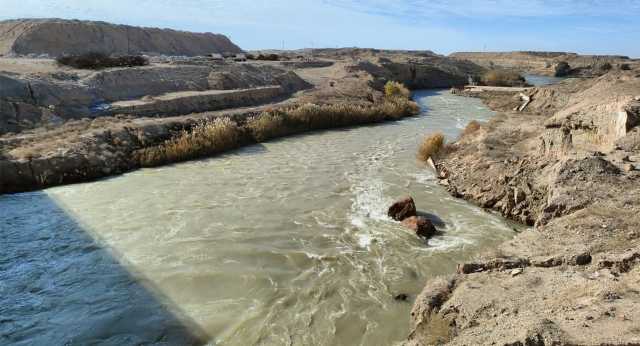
<point>567,165</point>
<point>549,63</point>
<point>62,126</point>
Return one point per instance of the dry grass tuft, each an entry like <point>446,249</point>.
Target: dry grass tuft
<point>472,127</point>
<point>205,138</point>
<point>503,78</point>
<point>396,89</point>
<point>430,146</point>
<point>269,124</point>
<point>310,116</point>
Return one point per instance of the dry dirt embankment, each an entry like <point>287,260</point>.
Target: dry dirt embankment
<point>546,63</point>
<point>569,166</point>
<point>30,101</point>
<point>57,37</point>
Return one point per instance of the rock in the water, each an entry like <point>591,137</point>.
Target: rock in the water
<point>422,226</point>
<point>402,209</point>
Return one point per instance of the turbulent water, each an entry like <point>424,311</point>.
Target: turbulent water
<point>281,243</point>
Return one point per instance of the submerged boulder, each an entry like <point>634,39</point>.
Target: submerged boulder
<point>420,225</point>
<point>402,209</point>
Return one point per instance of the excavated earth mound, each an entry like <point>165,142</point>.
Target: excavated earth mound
<point>57,37</point>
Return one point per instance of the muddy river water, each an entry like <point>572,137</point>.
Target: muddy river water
<point>282,243</point>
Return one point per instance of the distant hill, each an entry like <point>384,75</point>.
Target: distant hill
<point>541,62</point>
<point>57,37</point>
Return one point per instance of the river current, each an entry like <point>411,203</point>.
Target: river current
<point>282,243</point>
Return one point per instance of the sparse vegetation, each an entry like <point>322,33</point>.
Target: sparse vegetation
<point>395,90</point>
<point>503,78</point>
<point>268,57</point>
<point>472,127</point>
<point>220,134</point>
<point>431,146</point>
<point>267,125</point>
<point>97,61</point>
<point>562,69</point>
<point>606,66</point>
<point>309,116</point>
<point>205,138</point>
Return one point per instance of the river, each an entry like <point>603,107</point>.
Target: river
<point>285,242</point>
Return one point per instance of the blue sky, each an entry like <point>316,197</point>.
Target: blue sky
<point>444,26</point>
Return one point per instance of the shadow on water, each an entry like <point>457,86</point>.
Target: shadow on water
<point>60,286</point>
<point>421,94</point>
<point>435,219</point>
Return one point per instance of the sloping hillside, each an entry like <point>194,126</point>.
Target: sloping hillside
<point>57,37</point>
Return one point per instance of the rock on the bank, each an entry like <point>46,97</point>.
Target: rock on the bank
<point>402,209</point>
<point>420,225</point>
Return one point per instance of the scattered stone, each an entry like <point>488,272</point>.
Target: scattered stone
<point>580,259</point>
<point>610,296</point>
<point>623,263</point>
<point>402,209</point>
<point>420,225</point>
<point>547,262</point>
<point>496,263</point>
<point>629,167</point>
<point>468,268</point>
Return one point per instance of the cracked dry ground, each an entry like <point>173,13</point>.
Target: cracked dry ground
<point>574,277</point>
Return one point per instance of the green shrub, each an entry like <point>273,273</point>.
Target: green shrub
<point>96,61</point>
<point>430,146</point>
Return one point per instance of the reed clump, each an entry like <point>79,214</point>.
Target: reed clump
<point>430,147</point>
<point>503,78</point>
<point>311,116</point>
<point>220,134</point>
<point>205,138</point>
<point>269,124</point>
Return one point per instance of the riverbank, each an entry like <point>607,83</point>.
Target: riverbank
<point>567,165</point>
<point>63,126</point>
<point>283,242</point>
<point>115,147</point>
